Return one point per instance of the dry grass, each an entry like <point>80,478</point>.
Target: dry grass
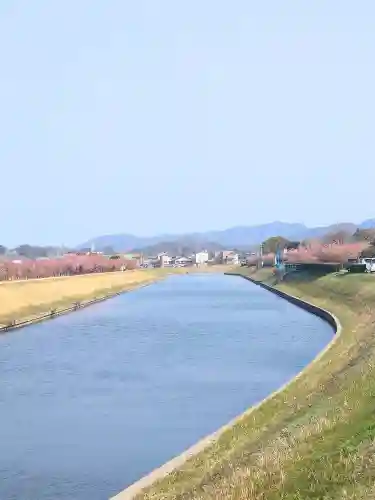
<point>315,440</point>
<point>20,300</point>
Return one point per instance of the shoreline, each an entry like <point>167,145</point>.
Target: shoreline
<point>54,309</point>
<point>75,307</point>
<point>202,445</point>
<point>97,288</point>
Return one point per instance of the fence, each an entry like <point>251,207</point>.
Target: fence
<point>314,267</point>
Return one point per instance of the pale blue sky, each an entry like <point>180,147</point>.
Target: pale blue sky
<point>150,117</point>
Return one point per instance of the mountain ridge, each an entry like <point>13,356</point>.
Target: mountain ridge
<point>235,237</point>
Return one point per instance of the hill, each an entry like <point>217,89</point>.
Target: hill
<point>367,224</point>
<point>241,237</point>
<point>345,227</point>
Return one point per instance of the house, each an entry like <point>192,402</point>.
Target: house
<point>227,257</point>
<point>232,259</point>
<point>164,260</point>
<point>201,258</point>
<point>181,261</point>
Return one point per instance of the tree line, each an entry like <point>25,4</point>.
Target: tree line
<point>271,245</point>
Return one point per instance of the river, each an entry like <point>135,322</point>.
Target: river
<point>92,401</point>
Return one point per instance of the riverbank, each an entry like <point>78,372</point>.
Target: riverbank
<point>315,439</point>
<point>31,300</point>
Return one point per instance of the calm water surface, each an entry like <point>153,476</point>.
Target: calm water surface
<point>92,401</point>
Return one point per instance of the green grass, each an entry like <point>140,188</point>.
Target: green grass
<point>315,440</point>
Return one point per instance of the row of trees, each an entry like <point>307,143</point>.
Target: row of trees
<point>339,237</point>
<point>66,266</point>
<point>334,247</point>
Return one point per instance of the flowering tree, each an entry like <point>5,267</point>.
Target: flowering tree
<point>68,265</point>
<point>318,252</point>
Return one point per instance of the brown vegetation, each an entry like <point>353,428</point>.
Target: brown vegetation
<point>20,300</point>
<point>27,299</point>
<point>69,265</point>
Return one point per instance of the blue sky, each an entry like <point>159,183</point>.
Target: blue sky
<point>151,117</point>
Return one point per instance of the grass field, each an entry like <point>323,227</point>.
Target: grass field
<point>21,300</point>
<point>316,439</point>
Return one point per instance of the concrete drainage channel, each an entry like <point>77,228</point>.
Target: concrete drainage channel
<point>136,488</point>
<point>177,462</point>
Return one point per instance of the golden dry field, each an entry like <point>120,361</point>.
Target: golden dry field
<point>26,299</point>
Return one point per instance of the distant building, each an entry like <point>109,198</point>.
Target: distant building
<point>181,261</point>
<point>227,257</point>
<point>232,259</point>
<point>201,258</point>
<point>164,260</point>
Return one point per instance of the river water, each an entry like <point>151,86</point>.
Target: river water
<point>91,401</point>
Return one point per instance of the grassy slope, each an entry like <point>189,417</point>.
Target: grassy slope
<point>24,299</point>
<point>316,439</point>
<point>20,300</point>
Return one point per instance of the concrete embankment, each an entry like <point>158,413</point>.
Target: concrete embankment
<point>303,304</point>
<point>176,463</point>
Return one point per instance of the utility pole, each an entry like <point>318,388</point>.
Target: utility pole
<point>279,263</point>
<point>260,262</point>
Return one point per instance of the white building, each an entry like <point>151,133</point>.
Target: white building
<point>235,260</point>
<point>201,258</point>
<point>164,260</point>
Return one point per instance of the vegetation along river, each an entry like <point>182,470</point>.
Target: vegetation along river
<point>92,401</point>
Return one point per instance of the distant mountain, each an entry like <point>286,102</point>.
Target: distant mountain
<point>367,224</point>
<point>319,232</point>
<point>119,242</point>
<point>246,236</point>
<point>127,242</point>
<point>240,237</point>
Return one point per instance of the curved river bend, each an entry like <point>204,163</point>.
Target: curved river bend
<point>92,401</point>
